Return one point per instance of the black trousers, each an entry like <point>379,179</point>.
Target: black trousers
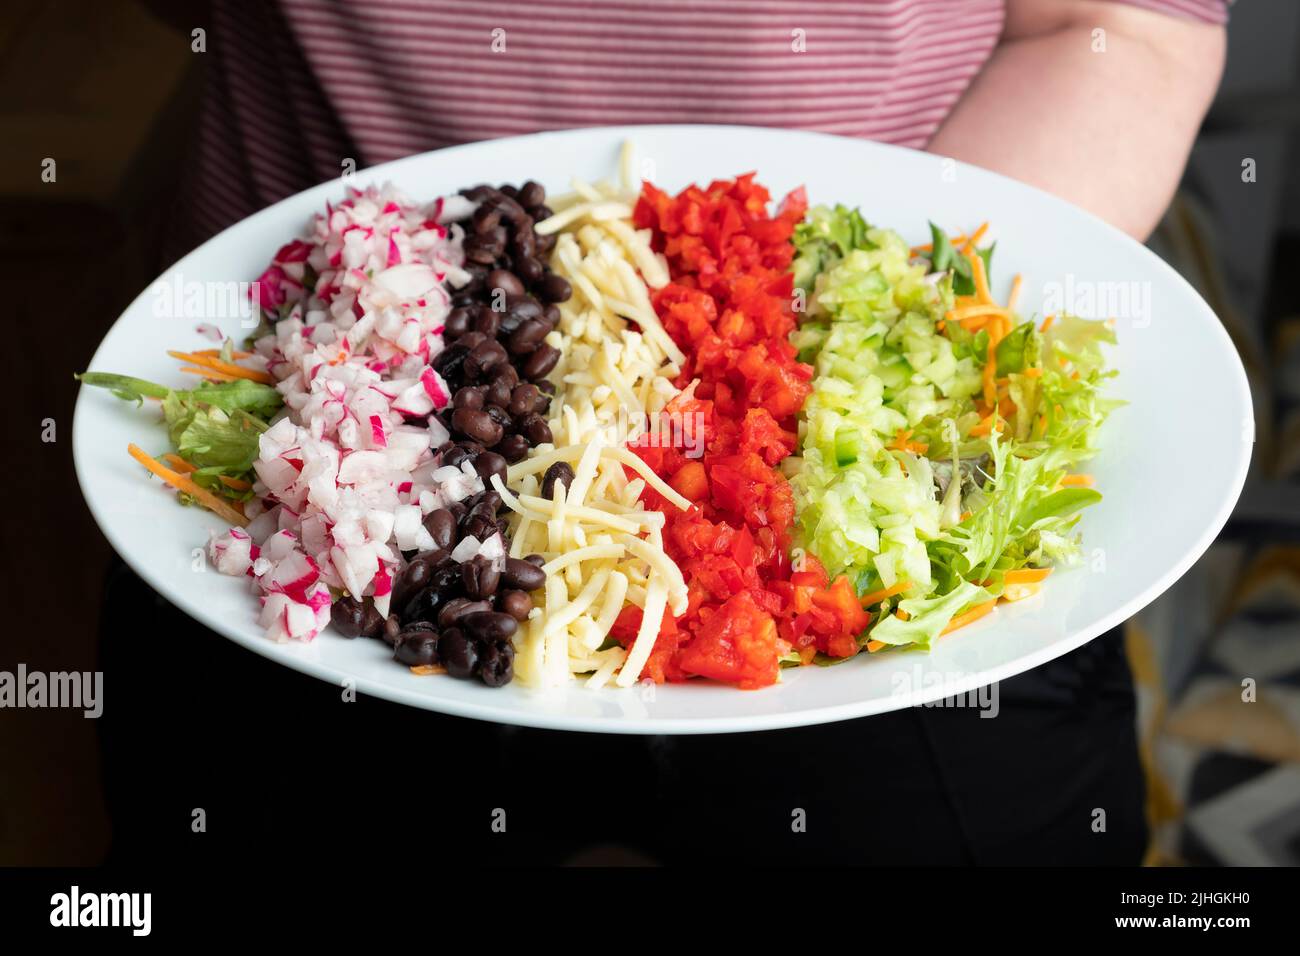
<point>275,766</point>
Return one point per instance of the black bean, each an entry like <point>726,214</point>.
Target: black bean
<point>506,281</point>
<point>512,210</point>
<point>413,578</point>
<point>500,416</point>
<point>489,625</point>
<point>487,356</point>
<point>448,362</point>
<point>454,610</point>
<point>498,391</point>
<point>521,574</point>
<point>481,249</point>
<point>541,212</point>
<point>477,424</point>
<point>416,575</point>
<point>457,324</point>
<point>487,322</point>
<point>524,247</point>
<point>459,654</point>
<point>456,455</point>
<point>516,603</point>
<point>441,525</point>
<point>512,448</point>
<point>391,630</point>
<point>468,397</point>
<point>531,194</point>
<point>486,217</point>
<point>524,306</point>
<point>554,288</point>
<point>497,666</point>
<point>353,618</point>
<point>506,373</point>
<point>528,268</point>
<point>479,578</point>
<point>477,526</point>
<point>536,560</point>
<point>539,364</point>
<point>423,606</point>
<point>560,473</point>
<point>488,464</point>
<point>536,430</point>
<point>523,398</point>
<point>527,337</point>
<point>416,648</point>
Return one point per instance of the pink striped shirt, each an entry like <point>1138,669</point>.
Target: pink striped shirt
<point>296,88</point>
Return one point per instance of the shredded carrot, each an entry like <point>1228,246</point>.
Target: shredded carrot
<point>969,244</point>
<point>981,279</point>
<point>216,353</point>
<point>185,468</point>
<point>971,311</point>
<point>964,516</point>
<point>902,615</point>
<point>1026,575</point>
<point>902,442</point>
<point>1033,373</point>
<point>230,368</point>
<point>989,378</point>
<point>182,483</point>
<point>209,373</point>
<point>1078,481</point>
<point>987,424</point>
<point>974,614</point>
<point>424,670</point>
<point>873,646</point>
<point>1047,323</point>
<point>1015,293</point>
<point>875,597</point>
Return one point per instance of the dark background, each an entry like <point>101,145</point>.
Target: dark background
<point>276,761</point>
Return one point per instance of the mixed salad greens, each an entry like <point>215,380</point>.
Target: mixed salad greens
<point>214,428</point>
<point>937,444</point>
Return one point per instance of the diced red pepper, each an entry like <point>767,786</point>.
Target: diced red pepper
<point>729,309</point>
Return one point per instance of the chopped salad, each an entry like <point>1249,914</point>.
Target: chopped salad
<point>623,435</point>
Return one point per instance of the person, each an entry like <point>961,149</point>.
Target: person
<point>1095,101</point>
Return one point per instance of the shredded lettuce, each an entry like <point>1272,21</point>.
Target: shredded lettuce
<point>887,430</point>
<point>214,426</point>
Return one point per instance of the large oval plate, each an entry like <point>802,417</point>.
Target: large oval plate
<point>1173,464</point>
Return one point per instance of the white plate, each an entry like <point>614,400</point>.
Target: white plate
<point>1173,464</point>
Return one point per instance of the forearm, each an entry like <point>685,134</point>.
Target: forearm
<point>1110,131</point>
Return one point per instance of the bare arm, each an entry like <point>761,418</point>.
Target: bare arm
<point>1110,131</point>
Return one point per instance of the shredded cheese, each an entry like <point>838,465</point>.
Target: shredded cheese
<point>602,550</point>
